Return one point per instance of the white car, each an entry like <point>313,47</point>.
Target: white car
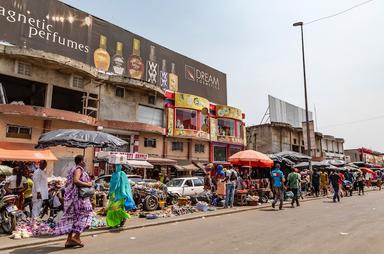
<point>186,186</point>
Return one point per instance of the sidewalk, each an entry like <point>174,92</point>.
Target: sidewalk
<point>7,243</point>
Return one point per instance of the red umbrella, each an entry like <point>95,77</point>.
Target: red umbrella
<point>251,158</point>
<point>367,170</point>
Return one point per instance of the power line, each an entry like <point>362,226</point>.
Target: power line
<point>339,13</point>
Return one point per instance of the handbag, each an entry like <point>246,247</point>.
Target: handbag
<point>86,192</point>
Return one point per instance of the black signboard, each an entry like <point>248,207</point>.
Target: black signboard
<point>55,27</point>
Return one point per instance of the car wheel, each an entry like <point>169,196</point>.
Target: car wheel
<point>150,203</point>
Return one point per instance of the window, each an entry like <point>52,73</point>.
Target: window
<point>234,150</point>
<point>198,182</point>
<point>220,153</point>
<point>177,146</point>
<point>294,141</point>
<point>188,183</point>
<point>226,127</point>
<point>119,92</point>
<point>186,119</point>
<point>24,68</point>
<point>239,126</point>
<point>15,131</point>
<point>151,99</point>
<point>204,122</point>
<point>149,115</point>
<point>150,142</point>
<point>199,148</point>
<point>302,142</point>
<point>77,82</point>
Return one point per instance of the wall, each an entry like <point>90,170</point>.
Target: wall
<point>153,152</point>
<point>260,138</point>
<point>200,156</point>
<point>176,155</point>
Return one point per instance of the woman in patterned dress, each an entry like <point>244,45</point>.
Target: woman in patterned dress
<point>77,215</point>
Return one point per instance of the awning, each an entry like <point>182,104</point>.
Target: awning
<point>161,161</point>
<point>186,167</point>
<point>24,152</point>
<point>200,164</point>
<point>139,164</point>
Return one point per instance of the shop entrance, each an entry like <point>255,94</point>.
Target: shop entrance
<point>22,91</point>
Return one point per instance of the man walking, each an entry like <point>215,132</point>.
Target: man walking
<point>294,184</point>
<point>334,180</point>
<point>360,183</point>
<point>324,182</point>
<point>278,180</point>
<point>230,186</point>
<point>316,182</point>
<point>40,188</point>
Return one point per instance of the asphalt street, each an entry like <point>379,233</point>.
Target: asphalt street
<point>353,226</point>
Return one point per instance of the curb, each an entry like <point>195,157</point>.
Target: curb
<point>40,241</point>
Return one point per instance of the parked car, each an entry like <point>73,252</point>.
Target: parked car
<point>186,186</point>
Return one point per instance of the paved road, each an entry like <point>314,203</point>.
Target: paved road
<point>353,226</point>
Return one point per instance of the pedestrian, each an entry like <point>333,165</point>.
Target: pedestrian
<point>334,179</point>
<point>16,184</point>
<point>341,180</point>
<point>316,182</point>
<point>278,180</point>
<point>360,183</point>
<point>40,188</point>
<point>293,182</point>
<point>120,199</point>
<point>208,186</point>
<point>348,176</point>
<point>230,186</point>
<point>379,179</point>
<point>324,182</point>
<point>77,215</point>
<point>28,192</point>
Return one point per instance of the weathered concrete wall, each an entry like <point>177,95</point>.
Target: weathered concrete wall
<point>200,156</point>
<point>155,152</point>
<point>259,138</point>
<point>176,155</point>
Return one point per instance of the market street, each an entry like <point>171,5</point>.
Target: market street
<point>320,226</point>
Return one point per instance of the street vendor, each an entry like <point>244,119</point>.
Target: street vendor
<point>16,184</point>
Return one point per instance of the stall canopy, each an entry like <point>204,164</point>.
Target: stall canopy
<point>139,164</point>
<point>251,158</point>
<point>294,156</point>
<point>24,152</point>
<point>161,161</point>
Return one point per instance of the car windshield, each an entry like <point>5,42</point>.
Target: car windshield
<point>175,183</point>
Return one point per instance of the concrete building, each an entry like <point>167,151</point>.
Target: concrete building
<point>365,155</point>
<point>76,75</point>
<point>277,137</point>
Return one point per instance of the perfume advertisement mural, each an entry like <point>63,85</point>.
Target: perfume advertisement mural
<point>55,27</point>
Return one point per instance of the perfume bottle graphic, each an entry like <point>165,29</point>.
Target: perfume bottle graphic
<point>173,79</point>
<point>135,63</point>
<point>152,67</point>
<point>164,75</point>
<point>118,62</point>
<point>101,57</point>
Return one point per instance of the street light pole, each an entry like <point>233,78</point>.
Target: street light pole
<point>305,94</point>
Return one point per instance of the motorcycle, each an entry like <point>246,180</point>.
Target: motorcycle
<point>8,212</point>
<point>348,187</point>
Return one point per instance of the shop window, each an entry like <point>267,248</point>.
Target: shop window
<point>151,99</point>
<point>199,148</point>
<point>24,68</point>
<point>239,126</point>
<point>226,127</point>
<point>177,146</point>
<point>120,91</point>
<point>234,150</point>
<point>150,142</point>
<point>149,115</point>
<point>15,131</point>
<point>220,153</point>
<point>23,92</point>
<point>186,119</point>
<point>204,122</point>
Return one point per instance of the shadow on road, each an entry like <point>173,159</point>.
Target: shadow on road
<point>268,210</point>
<point>42,249</point>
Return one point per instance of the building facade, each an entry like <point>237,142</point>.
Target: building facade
<point>365,155</point>
<point>80,72</point>
<point>277,137</point>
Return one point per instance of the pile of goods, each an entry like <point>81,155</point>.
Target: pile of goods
<point>27,227</point>
<point>252,200</point>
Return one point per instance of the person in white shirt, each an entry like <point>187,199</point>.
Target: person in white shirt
<point>40,189</point>
<point>16,184</point>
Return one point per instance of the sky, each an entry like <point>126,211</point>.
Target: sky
<point>255,44</point>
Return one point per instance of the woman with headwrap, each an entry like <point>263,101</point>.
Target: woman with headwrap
<point>120,199</point>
